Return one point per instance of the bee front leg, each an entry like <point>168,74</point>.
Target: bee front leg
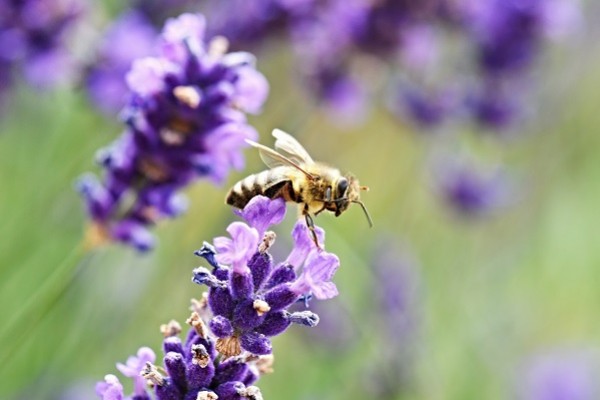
<point>311,225</point>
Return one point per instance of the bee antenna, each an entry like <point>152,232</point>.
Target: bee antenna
<point>365,211</point>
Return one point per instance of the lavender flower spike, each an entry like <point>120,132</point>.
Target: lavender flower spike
<point>185,120</point>
<point>228,347</point>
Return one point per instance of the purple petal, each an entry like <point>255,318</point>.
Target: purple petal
<point>182,34</point>
<point>134,366</point>
<point>238,250</point>
<point>303,243</point>
<point>146,76</point>
<point>252,89</point>
<point>262,212</point>
<point>318,272</point>
<point>110,389</point>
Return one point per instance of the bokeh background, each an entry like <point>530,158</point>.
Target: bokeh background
<point>434,303</point>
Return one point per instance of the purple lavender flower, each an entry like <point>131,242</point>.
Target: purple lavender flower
<point>471,189</point>
<point>157,11</point>
<point>228,348</point>
<point>250,300</point>
<point>425,109</point>
<point>33,38</point>
<point>130,36</point>
<point>185,120</point>
<point>110,388</point>
<point>398,311</point>
<point>255,21</point>
<point>560,375</point>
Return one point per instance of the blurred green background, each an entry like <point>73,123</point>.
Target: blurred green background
<point>483,296</point>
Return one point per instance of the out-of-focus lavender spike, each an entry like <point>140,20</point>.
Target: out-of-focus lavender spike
<point>185,120</point>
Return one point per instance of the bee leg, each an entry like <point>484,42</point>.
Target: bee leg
<point>311,225</point>
<point>322,209</point>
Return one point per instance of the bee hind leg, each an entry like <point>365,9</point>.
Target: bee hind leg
<point>311,226</point>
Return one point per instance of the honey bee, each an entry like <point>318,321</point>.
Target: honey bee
<point>295,177</point>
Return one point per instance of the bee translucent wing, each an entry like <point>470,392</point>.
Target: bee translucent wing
<point>291,148</point>
<point>273,159</point>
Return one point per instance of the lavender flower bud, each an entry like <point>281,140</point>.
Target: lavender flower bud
<point>202,276</point>
<point>172,344</point>
<point>207,251</point>
<point>175,366</point>
<point>230,370</point>
<point>283,274</point>
<point>260,266</point>
<point>221,326</point>
<point>281,297</point>
<point>274,324</point>
<point>256,343</point>
<point>241,285</point>
<point>306,318</point>
<point>246,316</point>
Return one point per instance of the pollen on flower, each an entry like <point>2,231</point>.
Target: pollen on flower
<point>261,307</point>
<point>200,356</point>
<point>172,328</point>
<point>188,95</point>
<point>267,242</point>
<point>196,322</point>
<point>218,46</point>
<point>172,137</point>
<point>153,170</point>
<point>151,374</point>
<point>205,395</point>
<point>229,346</point>
<point>251,392</point>
<point>200,306</point>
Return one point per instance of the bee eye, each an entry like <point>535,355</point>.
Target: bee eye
<point>342,187</point>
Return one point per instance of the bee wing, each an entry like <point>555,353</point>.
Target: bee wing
<point>273,159</point>
<point>291,148</point>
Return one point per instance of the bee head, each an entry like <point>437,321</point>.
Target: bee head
<point>346,191</point>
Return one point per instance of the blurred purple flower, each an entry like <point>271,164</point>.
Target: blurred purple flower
<point>560,375</point>
<point>34,38</point>
<point>425,109</point>
<point>157,11</point>
<point>254,21</point>
<point>397,312</point>
<point>130,36</point>
<point>471,189</point>
<point>509,34</point>
<point>397,292</point>
<point>185,120</point>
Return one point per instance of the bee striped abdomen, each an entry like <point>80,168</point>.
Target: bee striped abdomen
<point>268,183</point>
